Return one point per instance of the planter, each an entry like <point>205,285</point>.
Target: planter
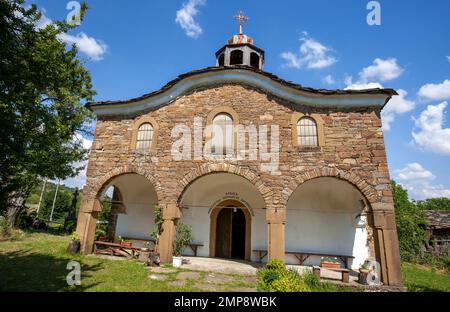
<point>102,238</point>
<point>144,255</point>
<point>362,276</point>
<point>74,246</point>
<point>330,265</point>
<point>177,261</point>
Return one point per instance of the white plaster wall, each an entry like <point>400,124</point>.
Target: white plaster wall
<point>140,198</point>
<point>322,216</point>
<point>210,190</point>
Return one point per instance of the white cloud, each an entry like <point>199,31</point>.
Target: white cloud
<point>329,80</point>
<point>438,92</point>
<point>381,70</point>
<point>90,46</point>
<point>431,134</point>
<point>80,179</point>
<point>448,58</point>
<point>313,55</point>
<point>185,18</point>
<point>360,85</point>
<point>418,181</point>
<point>93,48</point>
<point>396,106</point>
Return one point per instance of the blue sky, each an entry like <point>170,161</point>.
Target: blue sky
<point>135,47</point>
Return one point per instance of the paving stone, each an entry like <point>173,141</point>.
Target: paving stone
<point>188,275</point>
<point>250,280</point>
<point>220,279</point>
<point>177,283</point>
<point>208,287</point>
<point>162,270</point>
<point>158,277</point>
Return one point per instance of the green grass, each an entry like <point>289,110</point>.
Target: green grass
<point>37,262</point>
<point>419,278</point>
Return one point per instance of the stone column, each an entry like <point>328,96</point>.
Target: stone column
<point>171,214</point>
<point>276,221</point>
<point>387,248</point>
<point>87,220</point>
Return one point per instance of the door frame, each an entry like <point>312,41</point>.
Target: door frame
<point>213,226</point>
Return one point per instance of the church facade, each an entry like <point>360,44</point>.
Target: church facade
<point>259,167</point>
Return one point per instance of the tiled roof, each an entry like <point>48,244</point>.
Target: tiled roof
<point>389,92</point>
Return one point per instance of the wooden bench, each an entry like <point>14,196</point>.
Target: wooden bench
<point>115,249</point>
<point>345,273</point>
<point>194,246</point>
<point>302,256</point>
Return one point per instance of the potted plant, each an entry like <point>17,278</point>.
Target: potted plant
<point>182,239</point>
<point>144,253</point>
<point>330,263</point>
<point>100,235</point>
<point>364,271</point>
<point>124,242</point>
<point>74,244</point>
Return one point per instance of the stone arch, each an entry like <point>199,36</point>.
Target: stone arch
<point>367,190</point>
<point>211,168</point>
<point>99,185</point>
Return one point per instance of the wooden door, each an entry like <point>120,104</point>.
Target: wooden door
<point>223,233</point>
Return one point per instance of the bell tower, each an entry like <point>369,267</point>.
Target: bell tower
<point>240,50</point>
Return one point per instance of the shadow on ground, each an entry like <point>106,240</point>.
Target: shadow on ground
<point>28,271</point>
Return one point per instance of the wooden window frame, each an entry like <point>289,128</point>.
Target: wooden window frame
<point>137,124</point>
<point>320,131</point>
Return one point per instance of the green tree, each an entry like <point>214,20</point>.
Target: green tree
<point>62,205</point>
<point>43,86</point>
<point>442,204</point>
<point>409,217</point>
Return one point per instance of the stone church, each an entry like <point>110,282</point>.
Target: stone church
<point>259,167</point>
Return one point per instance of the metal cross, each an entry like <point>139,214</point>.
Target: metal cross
<point>241,18</point>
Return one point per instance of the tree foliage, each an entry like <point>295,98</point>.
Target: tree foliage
<point>409,219</point>
<point>442,204</point>
<point>62,205</point>
<point>43,85</point>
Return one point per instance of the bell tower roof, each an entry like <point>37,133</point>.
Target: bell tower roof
<point>240,49</point>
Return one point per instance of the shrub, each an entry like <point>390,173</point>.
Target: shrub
<point>311,279</point>
<point>276,277</point>
<point>5,227</point>
<point>183,238</point>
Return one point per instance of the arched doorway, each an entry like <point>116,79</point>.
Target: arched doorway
<point>230,231</point>
<point>203,199</point>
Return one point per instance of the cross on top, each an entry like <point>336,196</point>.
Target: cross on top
<point>241,18</point>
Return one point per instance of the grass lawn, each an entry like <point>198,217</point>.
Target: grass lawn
<point>36,261</point>
<point>422,278</point>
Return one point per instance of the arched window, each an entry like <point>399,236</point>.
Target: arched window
<point>222,59</point>
<point>144,137</point>
<point>307,132</point>
<point>254,60</point>
<point>222,134</point>
<point>236,57</point>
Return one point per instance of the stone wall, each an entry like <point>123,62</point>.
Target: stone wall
<point>353,144</point>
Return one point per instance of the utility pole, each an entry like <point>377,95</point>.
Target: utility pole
<point>40,198</point>
<point>54,200</point>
